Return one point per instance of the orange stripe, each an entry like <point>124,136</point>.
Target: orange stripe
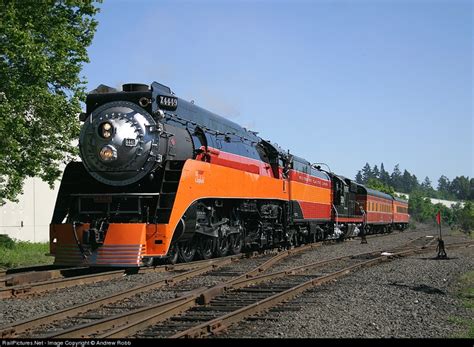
<point>309,193</point>
<point>204,180</point>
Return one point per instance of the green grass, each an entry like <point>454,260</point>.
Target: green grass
<point>458,232</point>
<point>24,253</point>
<point>466,294</point>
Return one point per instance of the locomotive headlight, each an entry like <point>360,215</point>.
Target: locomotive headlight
<point>108,153</point>
<point>105,130</point>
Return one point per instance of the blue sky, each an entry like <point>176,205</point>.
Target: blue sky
<point>339,82</point>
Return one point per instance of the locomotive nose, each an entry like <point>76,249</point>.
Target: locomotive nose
<point>119,143</point>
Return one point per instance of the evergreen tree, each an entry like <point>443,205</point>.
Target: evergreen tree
<point>406,182</point>
<point>460,187</point>
<point>366,173</point>
<point>384,175</point>
<point>375,172</point>
<point>396,178</point>
<point>426,185</point>
<point>443,184</point>
<point>358,177</point>
<point>471,189</point>
<point>414,184</point>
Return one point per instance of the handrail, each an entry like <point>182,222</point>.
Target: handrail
<point>337,215</point>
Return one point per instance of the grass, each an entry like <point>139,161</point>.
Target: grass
<point>466,294</point>
<point>455,231</point>
<point>23,253</point>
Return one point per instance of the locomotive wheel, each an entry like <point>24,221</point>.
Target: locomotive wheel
<point>205,247</point>
<point>235,243</point>
<point>172,254</point>
<point>186,251</point>
<point>222,246</point>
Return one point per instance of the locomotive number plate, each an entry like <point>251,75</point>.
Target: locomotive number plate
<point>167,102</point>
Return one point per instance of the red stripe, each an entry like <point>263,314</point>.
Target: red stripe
<point>313,210</point>
<point>235,161</point>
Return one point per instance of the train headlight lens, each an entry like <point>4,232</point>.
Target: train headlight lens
<point>108,153</point>
<point>105,130</point>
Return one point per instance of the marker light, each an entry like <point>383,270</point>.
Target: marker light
<point>105,130</point>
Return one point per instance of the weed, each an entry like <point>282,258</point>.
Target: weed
<point>24,253</point>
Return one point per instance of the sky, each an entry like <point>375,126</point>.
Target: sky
<point>337,82</point>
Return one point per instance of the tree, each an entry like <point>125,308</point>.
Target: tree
<point>444,187</point>
<point>427,188</point>
<point>406,182</point>
<point>471,189</point>
<point>358,177</point>
<point>376,184</point>
<point>426,185</point>
<point>420,208</point>
<point>414,184</point>
<point>375,172</point>
<point>366,173</point>
<point>466,217</point>
<point>42,48</point>
<point>396,178</point>
<point>460,187</point>
<point>384,175</point>
<point>443,184</point>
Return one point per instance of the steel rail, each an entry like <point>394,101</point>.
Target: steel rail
<point>25,325</point>
<point>64,282</point>
<point>19,327</point>
<point>162,314</point>
<point>204,296</point>
<point>165,309</point>
<point>223,322</point>
<point>29,324</point>
<point>20,282</point>
<point>23,278</point>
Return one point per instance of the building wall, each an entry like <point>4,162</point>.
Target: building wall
<point>29,218</point>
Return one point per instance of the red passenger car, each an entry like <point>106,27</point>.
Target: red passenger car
<point>400,214</point>
<point>378,209</point>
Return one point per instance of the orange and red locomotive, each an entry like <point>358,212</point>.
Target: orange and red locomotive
<point>162,179</point>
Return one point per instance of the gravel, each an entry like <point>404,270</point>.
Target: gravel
<point>412,297</point>
<point>17,309</point>
<point>409,297</point>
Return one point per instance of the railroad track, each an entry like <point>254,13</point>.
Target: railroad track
<point>182,274</point>
<point>27,283</point>
<point>23,276</point>
<point>22,282</point>
<point>246,298</point>
<point>183,316</point>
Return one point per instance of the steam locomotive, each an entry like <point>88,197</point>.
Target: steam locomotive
<point>163,180</point>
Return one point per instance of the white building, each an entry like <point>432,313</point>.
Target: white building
<point>447,203</point>
<point>29,218</point>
